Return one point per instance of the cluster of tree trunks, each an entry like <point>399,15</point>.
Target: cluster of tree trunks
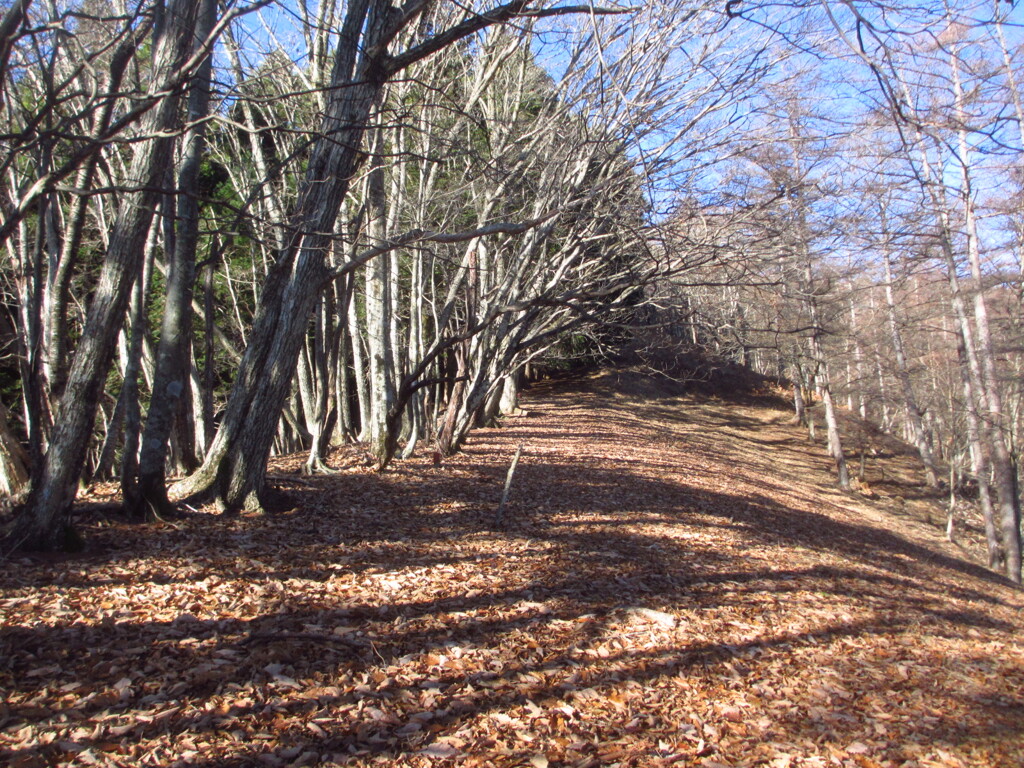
<point>372,240</point>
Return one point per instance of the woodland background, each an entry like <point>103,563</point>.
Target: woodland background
<point>238,230</point>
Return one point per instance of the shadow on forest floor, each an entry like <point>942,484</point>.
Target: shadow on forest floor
<point>674,580</point>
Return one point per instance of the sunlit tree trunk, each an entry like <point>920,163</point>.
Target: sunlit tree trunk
<point>1002,460</point>
<point>858,365</point>
<point>978,455</point>
<point>835,441</point>
<point>380,307</point>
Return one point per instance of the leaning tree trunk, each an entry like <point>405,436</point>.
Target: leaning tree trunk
<point>799,404</point>
<point>43,522</point>
<point>235,467</point>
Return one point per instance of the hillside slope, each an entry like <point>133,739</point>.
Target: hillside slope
<point>675,582</point>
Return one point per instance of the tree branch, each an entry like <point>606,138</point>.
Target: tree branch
<point>472,25</point>
<point>421,236</point>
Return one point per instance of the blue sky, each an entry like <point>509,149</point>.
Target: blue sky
<point>688,132</point>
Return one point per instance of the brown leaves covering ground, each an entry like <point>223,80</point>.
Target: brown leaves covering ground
<point>676,582</point>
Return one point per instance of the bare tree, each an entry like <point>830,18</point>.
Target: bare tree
<point>42,523</point>
<point>234,470</point>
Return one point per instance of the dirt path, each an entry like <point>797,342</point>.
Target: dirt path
<point>675,583</point>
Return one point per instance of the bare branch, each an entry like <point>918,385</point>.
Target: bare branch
<point>474,24</point>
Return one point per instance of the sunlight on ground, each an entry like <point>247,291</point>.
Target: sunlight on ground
<point>661,592</point>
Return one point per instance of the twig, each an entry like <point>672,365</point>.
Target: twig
<point>508,485</point>
<point>377,654</point>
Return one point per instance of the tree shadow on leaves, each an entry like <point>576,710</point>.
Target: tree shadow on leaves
<point>388,617</point>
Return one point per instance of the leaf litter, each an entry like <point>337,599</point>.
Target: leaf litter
<point>674,581</point>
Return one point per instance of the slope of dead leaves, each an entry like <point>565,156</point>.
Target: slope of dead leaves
<point>675,582</point>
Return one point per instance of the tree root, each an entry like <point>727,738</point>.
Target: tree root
<point>318,467</point>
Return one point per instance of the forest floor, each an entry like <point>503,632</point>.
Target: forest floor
<point>676,581</point>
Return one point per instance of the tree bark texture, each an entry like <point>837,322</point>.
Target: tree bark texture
<point>43,522</point>
<point>173,362</point>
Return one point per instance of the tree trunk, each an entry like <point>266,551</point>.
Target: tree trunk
<point>209,361</point>
<point>979,455</point>
<point>903,374</point>
<point>43,522</point>
<point>858,366</point>
<point>315,387</point>
<point>130,389</point>
<point>13,459</point>
<point>835,442</point>
<point>359,369</point>
<point>510,394</point>
<point>799,405</point>
<point>379,309</point>
<point>343,429</point>
<point>174,362</point>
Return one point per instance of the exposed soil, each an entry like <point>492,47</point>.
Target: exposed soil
<point>675,581</point>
